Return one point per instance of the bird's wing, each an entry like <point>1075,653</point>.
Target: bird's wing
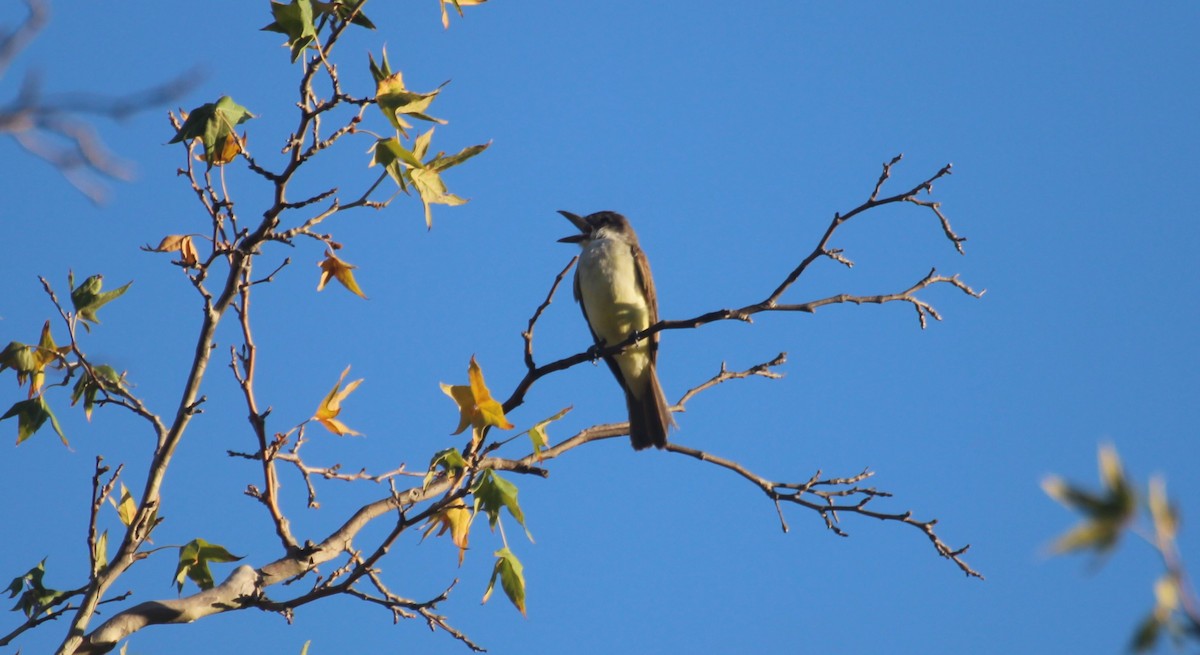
<point>646,281</point>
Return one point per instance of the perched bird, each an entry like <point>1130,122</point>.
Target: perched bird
<point>614,288</point>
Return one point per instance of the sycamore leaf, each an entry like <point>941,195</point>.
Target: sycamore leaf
<point>35,597</point>
<point>458,5</point>
<point>432,189</point>
<point>1105,514</point>
<point>213,124</point>
<point>193,562</point>
<point>512,578</point>
<point>88,298</point>
<point>382,70</point>
<point>537,433</point>
<point>442,162</point>
<point>492,492</point>
<point>31,415</point>
<point>295,20</point>
<point>396,101</point>
<point>180,243</point>
<point>126,508</point>
<point>456,519</point>
<point>331,406</point>
<point>30,361</point>
<point>346,9</point>
<point>449,460</point>
<point>342,271</point>
<point>395,159</point>
<point>21,358</point>
<point>476,406</point>
<point>101,378</point>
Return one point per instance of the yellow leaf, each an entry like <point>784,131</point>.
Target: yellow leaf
<point>126,508</point>
<point>476,406</point>
<point>490,410</point>
<point>461,395</point>
<point>232,147</point>
<point>332,267</point>
<point>331,406</point>
<point>457,519</point>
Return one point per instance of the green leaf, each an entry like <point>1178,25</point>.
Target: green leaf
<point>296,21</point>
<point>493,492</point>
<point>397,101</point>
<point>34,596</point>
<point>21,358</point>
<point>101,378</point>
<point>1105,514</point>
<point>395,158</point>
<point>380,71</point>
<point>512,578</point>
<point>31,416</point>
<point>344,9</point>
<point>88,298</point>
<point>214,124</point>
<point>441,163</point>
<point>449,460</point>
<point>432,189</point>
<point>194,558</point>
<point>537,433</point>
<point>1146,635</point>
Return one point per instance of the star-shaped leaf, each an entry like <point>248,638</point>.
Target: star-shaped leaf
<point>29,362</point>
<point>342,271</point>
<point>458,5</point>
<point>214,124</point>
<point>397,101</point>
<point>456,519</point>
<point>512,578</point>
<point>194,558</point>
<point>31,415</point>
<point>35,597</point>
<point>537,433</point>
<point>88,298</point>
<point>1105,514</point>
<point>476,406</point>
<point>449,460</point>
<point>101,378</point>
<point>331,406</point>
<point>493,492</point>
<point>295,20</point>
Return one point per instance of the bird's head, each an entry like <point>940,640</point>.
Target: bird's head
<point>605,224</point>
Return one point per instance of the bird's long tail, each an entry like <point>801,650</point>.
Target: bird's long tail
<point>649,415</point>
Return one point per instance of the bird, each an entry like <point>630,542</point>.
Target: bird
<point>615,290</point>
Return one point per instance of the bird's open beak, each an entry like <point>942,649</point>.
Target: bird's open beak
<point>579,222</point>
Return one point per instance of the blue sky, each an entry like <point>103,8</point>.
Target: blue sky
<point>729,134</point>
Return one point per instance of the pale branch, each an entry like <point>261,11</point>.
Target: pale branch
<point>244,365</point>
<point>48,614</point>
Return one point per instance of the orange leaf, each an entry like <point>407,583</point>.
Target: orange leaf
<point>332,267</point>
<point>331,406</point>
